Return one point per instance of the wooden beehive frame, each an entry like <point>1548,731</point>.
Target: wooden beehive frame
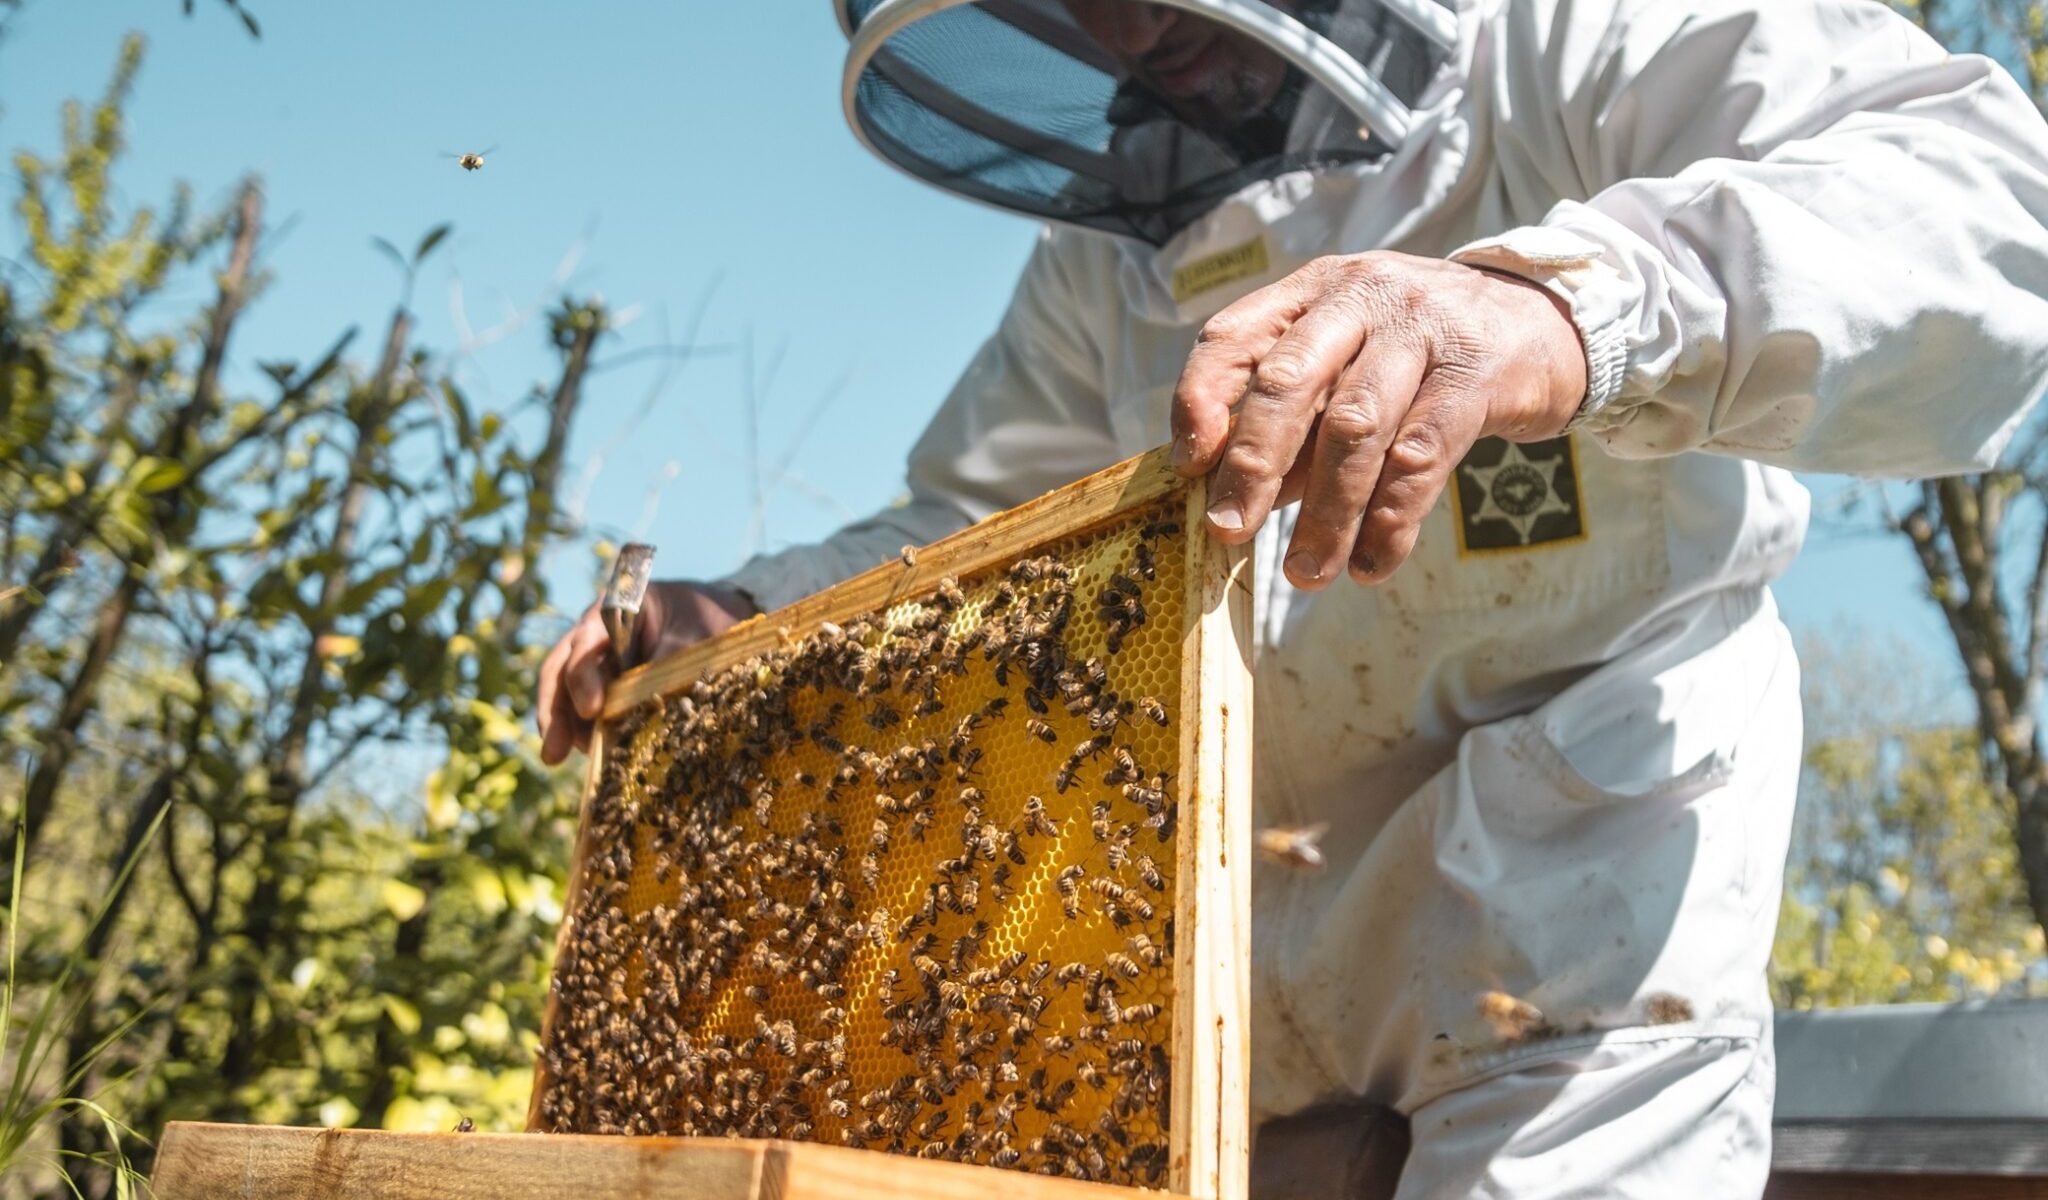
<point>201,1161</point>
<point>1208,1136</point>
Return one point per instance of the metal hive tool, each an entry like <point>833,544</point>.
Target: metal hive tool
<point>945,864</point>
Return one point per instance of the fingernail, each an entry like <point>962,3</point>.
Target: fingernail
<point>1305,566</point>
<point>1183,451</point>
<point>1225,515</point>
<point>1362,568</point>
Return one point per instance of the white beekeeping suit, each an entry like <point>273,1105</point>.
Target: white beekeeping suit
<point>1558,751</point>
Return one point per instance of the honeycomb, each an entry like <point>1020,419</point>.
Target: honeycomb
<point>905,885</point>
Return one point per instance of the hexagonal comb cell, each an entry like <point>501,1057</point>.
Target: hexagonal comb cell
<point>904,883</point>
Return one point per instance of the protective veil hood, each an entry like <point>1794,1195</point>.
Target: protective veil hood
<point>1018,104</point>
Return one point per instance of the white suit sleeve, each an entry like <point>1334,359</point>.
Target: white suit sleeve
<point>1810,236</point>
<point>1028,415</point>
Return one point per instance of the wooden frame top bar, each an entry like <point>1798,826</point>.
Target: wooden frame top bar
<point>1071,509</point>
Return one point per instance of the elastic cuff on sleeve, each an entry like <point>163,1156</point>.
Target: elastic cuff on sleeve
<point>1606,365</point>
<point>1569,266</point>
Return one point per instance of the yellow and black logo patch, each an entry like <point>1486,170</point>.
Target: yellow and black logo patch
<point>1518,496</point>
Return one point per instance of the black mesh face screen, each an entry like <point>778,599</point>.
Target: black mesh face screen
<point>1119,115</point>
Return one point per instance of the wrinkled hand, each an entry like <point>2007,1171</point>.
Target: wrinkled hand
<point>572,680</point>
<point>1364,379</point>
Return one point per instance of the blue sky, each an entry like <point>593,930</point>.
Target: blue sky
<point>672,155</point>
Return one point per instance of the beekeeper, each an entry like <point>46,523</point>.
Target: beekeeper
<point>1526,309</point>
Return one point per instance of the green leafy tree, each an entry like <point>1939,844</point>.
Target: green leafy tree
<point>1979,539</point>
<point>224,596</point>
<point>1904,882</point>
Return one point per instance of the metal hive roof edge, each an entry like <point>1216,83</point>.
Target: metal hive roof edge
<point>1974,1060</point>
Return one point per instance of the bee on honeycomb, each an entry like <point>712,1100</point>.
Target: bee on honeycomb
<point>877,885</point>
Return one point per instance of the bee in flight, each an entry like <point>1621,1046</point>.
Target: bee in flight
<point>471,162</point>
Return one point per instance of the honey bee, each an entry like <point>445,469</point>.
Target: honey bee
<point>472,162</point>
<point>930,1126</point>
<point>948,594</point>
<point>1029,570</point>
<point>1511,1018</point>
<point>1035,820</point>
<point>1138,1014</point>
<point>1120,605</point>
<point>1064,777</point>
<point>1008,1156</point>
<point>1069,887</point>
<point>465,1125</point>
<point>1153,709</point>
<point>1159,529</point>
<point>1146,566</point>
<point>907,556</point>
<point>1093,747</point>
<point>1149,872</point>
<point>1035,701</point>
<point>1152,797</point>
<point>1293,847</point>
<point>1101,823</point>
<point>1122,964</point>
<point>1040,730</point>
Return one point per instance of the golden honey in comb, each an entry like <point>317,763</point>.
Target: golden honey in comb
<point>905,885</point>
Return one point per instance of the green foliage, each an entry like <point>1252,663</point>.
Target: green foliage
<point>1904,883</point>
<point>27,1107</point>
<point>234,605</point>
